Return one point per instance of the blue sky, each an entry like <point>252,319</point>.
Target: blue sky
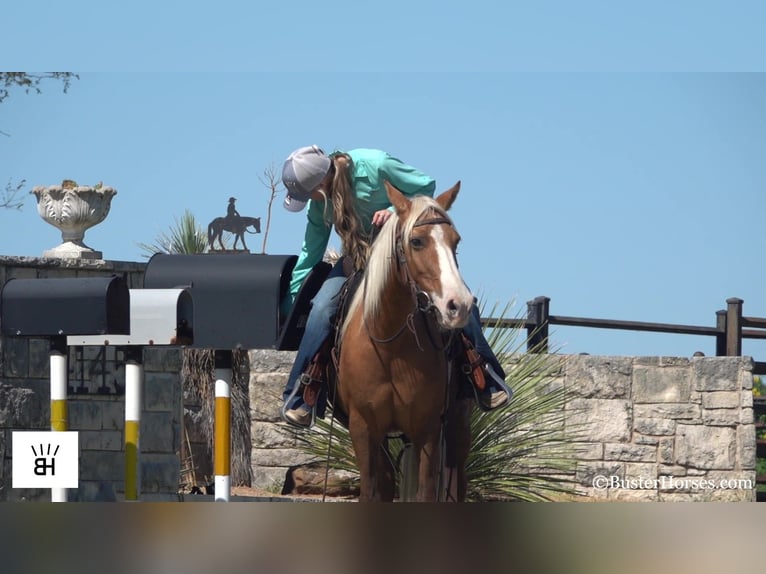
<point>596,169</point>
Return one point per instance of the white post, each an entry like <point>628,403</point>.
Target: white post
<point>134,377</point>
<point>59,411</point>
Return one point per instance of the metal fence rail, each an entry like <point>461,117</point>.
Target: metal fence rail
<point>729,330</point>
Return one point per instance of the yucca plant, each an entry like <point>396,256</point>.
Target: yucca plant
<point>185,236</point>
<point>520,452</point>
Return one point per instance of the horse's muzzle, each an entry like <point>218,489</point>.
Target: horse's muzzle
<point>455,312</point>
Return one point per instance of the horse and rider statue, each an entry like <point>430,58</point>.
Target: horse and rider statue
<point>235,224</point>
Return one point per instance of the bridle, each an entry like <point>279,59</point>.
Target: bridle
<point>421,300</point>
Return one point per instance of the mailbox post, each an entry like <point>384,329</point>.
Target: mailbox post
<point>157,317</point>
<point>55,308</point>
<point>237,301</point>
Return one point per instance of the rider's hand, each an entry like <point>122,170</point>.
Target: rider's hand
<point>380,217</point>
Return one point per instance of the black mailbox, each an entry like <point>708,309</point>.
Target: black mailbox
<point>65,306</point>
<point>236,296</point>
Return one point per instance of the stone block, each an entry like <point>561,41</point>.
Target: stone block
<point>270,361</point>
<point>639,438</point>
<point>84,414</point>
<point>268,435</point>
<point>673,411</point>
<point>720,417</point>
<point>712,448</point>
<point>721,399</point>
<point>163,359</point>
<point>39,358</point>
<point>626,452</point>
<point>599,377</point>
<point>269,478</point>
<point>112,413</point>
<point>746,447</point>
<point>666,450</point>
<point>717,373</point>
<point>16,357</point>
<point>101,440</point>
<point>661,385</point>
<point>102,465</point>
<point>157,433</point>
<point>279,457</point>
<point>160,473</point>
<point>643,472</point>
<point>162,391</point>
<point>654,426</point>
<point>22,408</point>
<point>601,420</point>
<point>587,472</point>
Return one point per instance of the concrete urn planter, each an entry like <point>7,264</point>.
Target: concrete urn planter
<point>73,209</point>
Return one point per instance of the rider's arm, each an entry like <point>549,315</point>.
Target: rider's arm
<point>407,179</point>
<point>315,241</point>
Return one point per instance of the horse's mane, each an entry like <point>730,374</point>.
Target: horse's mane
<point>382,260</point>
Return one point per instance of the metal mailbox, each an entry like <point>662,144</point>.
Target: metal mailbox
<point>65,306</point>
<point>157,317</point>
<point>236,296</point>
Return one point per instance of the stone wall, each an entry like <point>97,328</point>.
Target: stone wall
<point>661,428</point>
<point>643,428</point>
<point>95,400</point>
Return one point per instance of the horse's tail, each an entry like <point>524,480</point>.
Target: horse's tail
<point>210,234</point>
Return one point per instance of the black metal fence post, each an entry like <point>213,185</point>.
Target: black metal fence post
<point>720,338</point>
<point>538,312</point>
<point>734,327</point>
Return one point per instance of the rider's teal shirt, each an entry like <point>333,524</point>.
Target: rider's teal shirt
<point>370,167</point>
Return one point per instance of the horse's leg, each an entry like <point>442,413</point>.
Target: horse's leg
<point>384,477</point>
<point>428,470</point>
<point>458,437</point>
<point>242,237</point>
<point>365,453</point>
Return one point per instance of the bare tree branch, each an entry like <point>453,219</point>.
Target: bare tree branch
<point>10,196</point>
<point>31,82</point>
<point>272,183</point>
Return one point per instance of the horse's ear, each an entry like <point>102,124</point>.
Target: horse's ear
<point>447,198</point>
<point>397,198</point>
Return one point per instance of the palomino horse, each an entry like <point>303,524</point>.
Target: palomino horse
<point>393,372</point>
<point>236,225</point>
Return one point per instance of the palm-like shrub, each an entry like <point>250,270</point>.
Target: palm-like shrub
<point>185,236</point>
<point>521,452</point>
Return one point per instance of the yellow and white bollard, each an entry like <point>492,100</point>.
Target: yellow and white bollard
<point>59,411</point>
<point>222,449</point>
<point>134,378</point>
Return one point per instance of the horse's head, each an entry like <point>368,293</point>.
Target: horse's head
<point>427,247</point>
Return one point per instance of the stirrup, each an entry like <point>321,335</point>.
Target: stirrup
<point>497,380</point>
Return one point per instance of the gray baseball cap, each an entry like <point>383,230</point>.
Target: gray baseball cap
<point>304,169</point>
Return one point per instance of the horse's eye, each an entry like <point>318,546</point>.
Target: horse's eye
<point>417,243</point>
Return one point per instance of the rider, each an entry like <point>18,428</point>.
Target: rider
<point>345,190</point>
<point>231,211</point>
